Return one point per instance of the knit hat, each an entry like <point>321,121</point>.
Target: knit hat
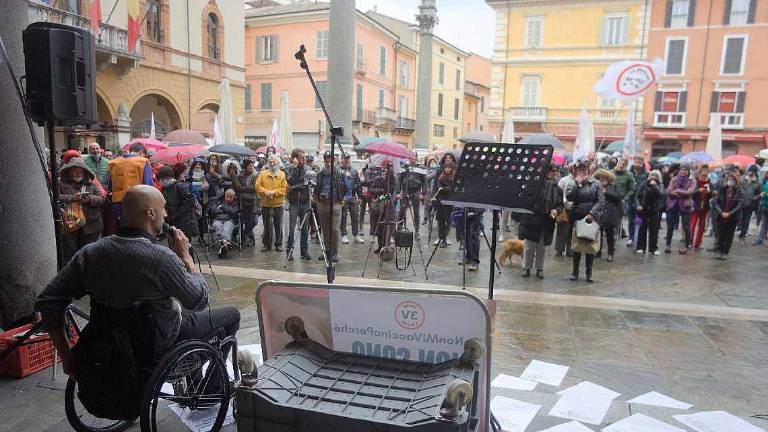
<point>69,154</point>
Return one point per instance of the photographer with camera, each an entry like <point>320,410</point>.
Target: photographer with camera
<point>411,188</point>
<point>342,191</point>
<point>299,184</point>
<point>380,187</point>
<point>351,207</point>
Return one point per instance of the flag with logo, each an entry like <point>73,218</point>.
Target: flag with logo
<point>96,17</point>
<point>134,24</point>
<point>628,80</point>
<point>274,137</point>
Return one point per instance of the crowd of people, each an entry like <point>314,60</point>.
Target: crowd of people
<point>219,201</point>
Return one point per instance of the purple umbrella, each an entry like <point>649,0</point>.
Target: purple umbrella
<point>696,158</point>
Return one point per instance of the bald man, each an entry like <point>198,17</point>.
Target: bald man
<point>119,270</point>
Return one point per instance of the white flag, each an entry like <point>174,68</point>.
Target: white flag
<point>274,137</point>
<point>629,135</point>
<point>152,128</point>
<point>217,139</point>
<point>585,140</point>
<point>628,80</point>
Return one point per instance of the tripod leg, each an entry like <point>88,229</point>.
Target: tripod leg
<point>326,258</point>
<point>370,247</point>
<point>488,243</point>
<point>418,243</point>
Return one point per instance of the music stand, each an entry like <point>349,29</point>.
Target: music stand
<point>496,176</point>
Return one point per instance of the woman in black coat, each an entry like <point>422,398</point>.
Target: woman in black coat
<point>727,208</point>
<point>538,229</point>
<point>585,196</point>
<point>649,200</point>
<point>443,186</point>
<point>610,219</point>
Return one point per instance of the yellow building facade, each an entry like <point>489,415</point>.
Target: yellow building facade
<point>549,53</point>
<point>448,75</point>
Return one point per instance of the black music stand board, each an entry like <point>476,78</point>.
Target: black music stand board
<point>499,176</point>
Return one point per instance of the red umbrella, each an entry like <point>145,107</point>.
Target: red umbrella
<point>148,143</point>
<point>185,136</point>
<point>263,149</point>
<point>742,161</point>
<point>391,149</point>
<point>175,155</point>
<point>558,159</point>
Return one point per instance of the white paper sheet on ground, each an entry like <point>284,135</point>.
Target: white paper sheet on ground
<point>581,407</point>
<point>201,420</point>
<point>591,390</point>
<point>641,423</point>
<point>572,426</point>
<point>511,382</point>
<point>716,421</point>
<point>657,399</point>
<point>514,415</point>
<point>546,373</point>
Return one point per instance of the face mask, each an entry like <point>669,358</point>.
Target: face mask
<point>77,179</point>
<point>166,182</point>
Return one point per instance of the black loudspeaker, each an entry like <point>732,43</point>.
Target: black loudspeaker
<point>60,74</point>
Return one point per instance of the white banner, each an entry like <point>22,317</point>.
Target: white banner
<point>404,327</point>
<point>629,136</point>
<point>628,80</point>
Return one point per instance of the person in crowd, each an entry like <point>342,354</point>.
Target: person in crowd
<point>224,214</point>
<point>271,185</point>
<point>563,231</point>
<point>750,187</point>
<point>370,172</point>
<point>333,186</point>
<point>245,186</point>
<point>128,171</point>
<point>179,202</point>
<point>625,182</point>
<point>231,169</point>
<point>668,172</point>
<point>649,202</point>
<point>610,217</point>
<point>701,198</point>
<point>76,189</point>
<point>538,228</point>
<point>97,163</point>
<point>468,227</point>
<point>261,162</point>
<point>585,195</point>
<point>679,207</point>
<point>108,155</point>
<point>433,170</point>
<point>128,266</point>
<point>727,206</point>
<point>443,211</point>
<point>382,186</point>
<point>299,190</point>
<point>198,178</point>
<point>762,211</point>
<point>351,207</point>
<point>411,185</point>
<point>215,172</point>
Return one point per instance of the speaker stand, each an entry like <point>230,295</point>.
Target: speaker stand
<point>55,204</point>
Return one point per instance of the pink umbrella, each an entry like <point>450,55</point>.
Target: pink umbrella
<point>175,155</point>
<point>391,149</point>
<point>263,149</point>
<point>148,143</point>
<point>558,159</point>
<point>742,161</point>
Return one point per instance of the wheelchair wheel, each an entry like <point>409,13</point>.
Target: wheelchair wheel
<point>191,380</point>
<point>82,421</point>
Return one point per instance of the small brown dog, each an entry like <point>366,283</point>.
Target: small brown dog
<point>510,248</point>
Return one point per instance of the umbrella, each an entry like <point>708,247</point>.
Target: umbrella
<point>585,138</point>
<point>148,143</point>
<point>558,159</point>
<point>185,136</point>
<point>675,155</point>
<point>714,147</point>
<point>543,139</point>
<point>666,160</point>
<point>226,115</point>
<point>616,146</point>
<point>286,133</point>
<point>508,136</point>
<point>263,149</point>
<point>477,136</point>
<point>696,158</point>
<point>365,142</point>
<point>762,154</point>
<point>741,161</point>
<point>391,149</point>
<point>232,150</point>
<point>175,155</point>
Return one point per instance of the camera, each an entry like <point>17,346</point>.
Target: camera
<point>323,196</point>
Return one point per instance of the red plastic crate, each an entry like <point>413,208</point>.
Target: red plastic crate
<point>35,354</point>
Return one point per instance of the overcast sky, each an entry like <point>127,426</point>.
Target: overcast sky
<point>468,24</point>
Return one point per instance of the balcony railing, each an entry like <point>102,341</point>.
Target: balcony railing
<point>731,120</point>
<point>365,116</point>
<point>669,119</point>
<point>405,123</point>
<point>470,89</point>
<point>360,66</point>
<point>112,40</point>
<point>529,113</point>
<point>385,115</point>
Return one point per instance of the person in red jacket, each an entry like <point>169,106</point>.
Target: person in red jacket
<point>701,198</point>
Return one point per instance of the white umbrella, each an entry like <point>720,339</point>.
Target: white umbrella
<point>274,136</point>
<point>226,114</point>
<point>286,132</point>
<point>217,131</point>
<point>152,128</point>
<point>508,136</point>
<point>585,140</point>
<point>714,146</point>
<point>629,135</point>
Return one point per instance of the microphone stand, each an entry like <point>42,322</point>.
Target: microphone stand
<point>336,133</point>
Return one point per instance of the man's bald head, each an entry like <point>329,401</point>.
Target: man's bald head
<point>144,207</point>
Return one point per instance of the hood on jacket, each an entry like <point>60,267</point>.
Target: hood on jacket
<point>76,162</point>
<point>656,173</point>
<point>600,173</point>
<point>442,159</point>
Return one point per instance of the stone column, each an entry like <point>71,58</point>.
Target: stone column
<point>123,125</point>
<point>27,246</point>
<point>341,56</point>
<point>427,18</point>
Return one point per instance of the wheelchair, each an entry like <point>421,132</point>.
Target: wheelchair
<point>237,233</point>
<point>190,376</point>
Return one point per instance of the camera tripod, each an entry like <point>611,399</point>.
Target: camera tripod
<point>309,217</point>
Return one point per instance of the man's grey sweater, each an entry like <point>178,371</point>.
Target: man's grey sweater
<point>120,269</point>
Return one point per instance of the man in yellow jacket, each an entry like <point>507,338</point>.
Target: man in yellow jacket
<point>271,185</point>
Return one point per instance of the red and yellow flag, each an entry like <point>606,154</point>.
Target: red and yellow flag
<point>134,23</point>
<point>96,17</point>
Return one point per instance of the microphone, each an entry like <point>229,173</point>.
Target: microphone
<point>167,233</point>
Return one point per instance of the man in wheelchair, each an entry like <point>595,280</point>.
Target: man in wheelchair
<point>128,267</point>
<point>225,215</point>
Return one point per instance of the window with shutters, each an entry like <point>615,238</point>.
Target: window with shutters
<point>404,74</point>
<point>322,44</point>
<point>402,106</point>
<point>739,13</point>
<point>670,108</point>
<point>441,73</point>
<point>455,132</point>
<point>439,104</point>
<point>456,109</point>
<point>247,97</point>
<point>458,79</point>
<point>212,27</point>
<point>615,30</point>
<point>359,102</point>
<point>359,58</point>
<point>607,108</point>
<point>529,91</point>
<point>674,56</point>
<point>154,20</point>
<point>438,130</point>
<point>266,96</point>
<point>266,49</point>
<point>734,52</point>
<point>679,13</point>
<point>729,107</point>
<point>382,61</point>
<point>534,27</point>
<point>482,104</point>
<point>381,98</point>
<point>322,88</point>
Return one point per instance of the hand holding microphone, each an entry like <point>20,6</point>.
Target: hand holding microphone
<point>180,245</point>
